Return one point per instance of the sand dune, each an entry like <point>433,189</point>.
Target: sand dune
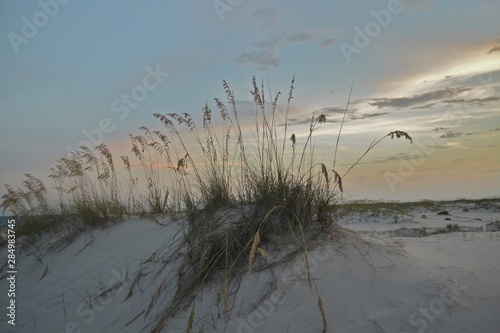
<point>369,278</point>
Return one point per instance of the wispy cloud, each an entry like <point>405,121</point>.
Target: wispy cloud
<point>415,100</point>
<point>441,146</point>
<point>260,58</point>
<point>437,129</point>
<point>264,55</point>
<point>299,37</point>
<point>353,114</point>
<point>451,134</point>
<point>332,110</point>
<point>328,42</point>
<point>267,16</point>
<point>479,101</point>
<point>484,132</point>
<point>496,48</point>
<point>392,158</point>
<point>367,115</point>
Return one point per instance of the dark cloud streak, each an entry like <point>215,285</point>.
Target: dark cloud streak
<point>264,55</point>
<point>367,115</point>
<point>494,49</point>
<point>402,102</point>
<point>480,101</point>
<point>450,135</point>
<point>328,42</point>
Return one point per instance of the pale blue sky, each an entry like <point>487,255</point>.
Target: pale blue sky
<point>433,70</point>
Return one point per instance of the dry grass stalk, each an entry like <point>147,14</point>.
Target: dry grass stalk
<point>190,320</point>
<point>225,297</point>
<point>322,310</point>
<point>137,278</point>
<point>45,272</point>
<point>325,173</point>
<point>156,297</point>
<point>337,179</point>
<point>255,244</point>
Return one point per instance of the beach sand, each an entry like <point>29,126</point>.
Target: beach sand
<point>370,278</point>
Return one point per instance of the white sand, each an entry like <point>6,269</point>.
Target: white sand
<point>368,280</point>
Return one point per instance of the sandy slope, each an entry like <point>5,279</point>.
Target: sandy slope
<point>369,281</point>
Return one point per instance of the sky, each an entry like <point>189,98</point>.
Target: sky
<point>95,71</point>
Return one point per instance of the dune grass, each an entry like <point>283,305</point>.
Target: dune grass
<point>85,194</point>
<point>241,192</point>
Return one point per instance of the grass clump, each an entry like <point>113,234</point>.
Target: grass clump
<point>31,208</point>
<point>87,186</point>
<point>244,192</point>
<point>86,195</point>
<point>450,227</point>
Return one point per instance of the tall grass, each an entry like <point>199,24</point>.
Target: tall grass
<point>242,191</point>
<point>154,156</point>
<point>86,194</point>
<point>88,186</point>
<point>30,204</point>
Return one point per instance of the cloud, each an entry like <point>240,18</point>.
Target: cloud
<point>480,101</point>
<point>437,129</point>
<point>392,158</point>
<point>260,58</point>
<point>328,42</point>
<point>482,79</point>
<point>264,55</point>
<point>402,102</point>
<point>426,106</point>
<point>496,48</point>
<point>450,135</point>
<point>299,37</point>
<point>307,120</point>
<point>459,160</point>
<point>268,16</point>
<point>269,44</point>
<point>473,100</point>
<point>483,132</point>
<point>367,115</point>
<point>353,113</point>
<point>331,110</point>
<point>298,121</point>
<point>441,146</point>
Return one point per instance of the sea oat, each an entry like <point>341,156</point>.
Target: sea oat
<point>255,244</point>
<point>400,134</point>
